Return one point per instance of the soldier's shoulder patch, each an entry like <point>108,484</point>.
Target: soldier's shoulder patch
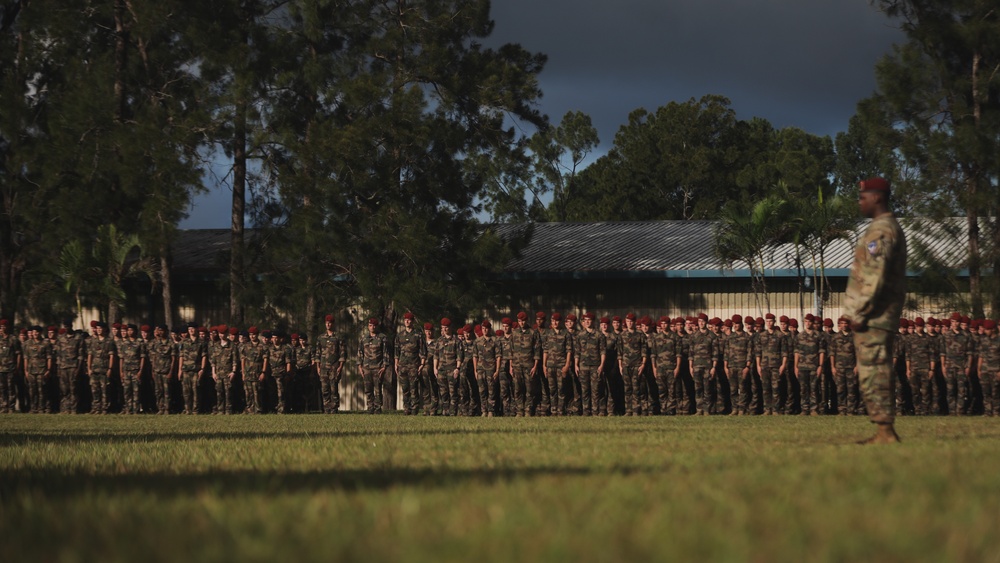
<point>873,248</point>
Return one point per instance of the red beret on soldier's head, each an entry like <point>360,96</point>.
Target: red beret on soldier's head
<point>295,336</point>
<point>555,317</point>
<point>539,315</point>
<point>505,321</point>
<point>737,319</point>
<point>467,328</point>
<point>989,324</point>
<point>903,323</point>
<point>702,317</point>
<point>234,331</point>
<point>446,322</point>
<point>770,316</point>
<point>51,328</point>
<point>616,318</point>
<point>589,315</point>
<point>630,316</point>
<point>408,315</point>
<point>487,324</point>
<point>843,319</point>
<point>956,316</point>
<point>522,316</point>
<point>605,321</point>
<point>678,321</point>
<point>810,317</point>
<point>964,320</point>
<point>571,317</point>
<point>478,329</point>
<point>253,330</point>
<point>793,323</point>
<point>728,323</point>
<point>760,320</point>
<point>428,326</point>
<point>500,333</point>
<point>783,319</point>
<point>373,321</point>
<point>202,329</point>
<point>328,318</point>
<point>828,322</point>
<point>919,321</point>
<point>874,185</point>
<point>62,331</point>
<point>93,324</point>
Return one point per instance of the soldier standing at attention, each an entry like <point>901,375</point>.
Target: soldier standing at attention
<point>372,362</point>
<point>252,363</point>
<point>37,367</point>
<point>556,358</point>
<point>411,353</point>
<point>224,360</point>
<point>486,361</point>
<point>526,354</point>
<point>69,363</point>
<point>590,353</point>
<point>920,360</point>
<point>162,356</point>
<point>331,353</point>
<point>666,365</point>
<point>101,351</point>
<point>989,369</point>
<point>278,362</point>
<point>610,367</point>
<point>447,361</point>
<point>132,362</point>
<point>956,363</point>
<point>701,358</point>
<point>427,381</point>
<point>738,357</point>
<point>873,302</point>
<point>506,380</point>
<point>843,361</point>
<point>10,357</point>
<point>466,369</point>
<point>192,357</point>
<point>810,353</point>
<point>633,353</point>
<point>772,361</point>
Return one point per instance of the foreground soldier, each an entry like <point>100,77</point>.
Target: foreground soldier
<point>874,300</point>
<point>989,369</point>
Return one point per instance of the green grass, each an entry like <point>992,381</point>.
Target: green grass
<point>388,488</point>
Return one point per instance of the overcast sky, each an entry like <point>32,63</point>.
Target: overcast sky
<point>800,63</point>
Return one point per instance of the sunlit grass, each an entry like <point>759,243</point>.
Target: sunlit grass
<point>359,487</point>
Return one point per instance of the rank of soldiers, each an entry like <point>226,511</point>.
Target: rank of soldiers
<point>546,366</point>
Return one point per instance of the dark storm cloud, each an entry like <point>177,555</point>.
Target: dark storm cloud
<point>802,63</point>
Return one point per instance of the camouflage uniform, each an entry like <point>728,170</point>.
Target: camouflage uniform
<point>810,351</point>
<point>10,357</point>
<point>102,351</point>
<point>989,374</point>
<point>449,356</point>
<point>663,351</point>
<point>921,355</point>
<point>162,354</point>
<point>466,375</point>
<point>702,360</point>
<point>279,363</point>
<point>506,377</point>
<point>633,353</point>
<point>37,368</point>
<point>132,354</point>
<point>304,378</point>
<point>845,379</point>
<point>556,347</point>
<point>738,355</point>
<point>772,352</point>
<point>411,353</point>
<point>429,397</point>
<point>69,359</point>
<point>590,352</point>
<point>611,373</point>
<point>373,359</point>
<point>252,361</point>
<point>487,355</point>
<point>331,353</point>
<point>956,354</point>
<point>525,353</point>
<point>224,359</point>
<point>192,358</point>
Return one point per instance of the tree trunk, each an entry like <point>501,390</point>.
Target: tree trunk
<point>166,287</point>
<point>121,52</point>
<point>236,266</point>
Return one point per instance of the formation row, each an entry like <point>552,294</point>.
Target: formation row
<point>540,366</point>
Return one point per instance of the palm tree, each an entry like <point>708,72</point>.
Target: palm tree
<point>746,233</point>
<point>821,223</point>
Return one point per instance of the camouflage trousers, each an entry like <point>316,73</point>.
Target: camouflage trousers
<point>590,384</point>
<point>810,388</point>
<point>190,381</point>
<point>507,393</point>
<point>449,384</point>
<point>848,391</point>
<point>329,381</point>
<point>875,374</point>
<point>99,392</point>
<point>957,387</point>
<point>223,385</point>
<point>487,391</point>
<point>770,381</point>
<point>631,376</point>
<point>989,380</point>
<point>372,380</point>
<point>67,389</point>
<point>466,402</point>
<point>35,384</point>
<point>161,389</point>
<point>251,389</point>
<point>923,391</point>
<point>735,395</point>
<point>409,382</point>
<point>701,374</point>
<point>130,388</point>
<point>522,389</point>
<point>282,380</point>
<point>8,392</point>
<point>665,389</point>
<point>553,390</point>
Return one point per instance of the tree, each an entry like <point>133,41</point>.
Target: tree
<point>940,91</point>
<point>558,152</point>
<point>745,234</point>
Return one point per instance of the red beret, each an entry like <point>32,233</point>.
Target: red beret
<point>842,319</point>
<point>973,324</point>
<point>918,321</point>
<point>506,321</point>
<point>467,328</point>
<point>522,316</point>
<point>446,322</point>
<point>715,321</point>
<point>956,317</point>
<point>760,320</point>
<point>630,316</point>
<point>428,326</point>
<point>770,317</point>
<point>253,330</point>
<point>5,322</point>
<point>589,315</point>
<point>487,324</point>
<point>728,323</point>
<point>295,336</point>
<point>408,315</point>
<point>665,320</point>
<point>373,321</point>
<point>874,185</point>
<point>93,324</point>
<point>500,333</point>
<point>903,323</point>
<point>748,321</point>
<point>571,317</point>
<point>202,329</point>
<point>24,332</point>
<point>213,329</point>
<point>62,331</point>
<point>828,322</point>
<point>539,315</point>
<point>328,318</point>
<point>702,317</point>
<point>737,319</point>
<point>616,318</point>
<point>793,323</point>
<point>116,325</point>
<point>144,328</point>
<point>678,321</point>
<point>605,320</point>
<point>810,317</point>
<point>783,319</point>
<point>51,329</point>
<point>555,317</point>
<point>234,331</point>
<point>478,329</point>
<point>989,324</point>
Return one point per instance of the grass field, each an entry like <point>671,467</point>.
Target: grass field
<point>386,488</point>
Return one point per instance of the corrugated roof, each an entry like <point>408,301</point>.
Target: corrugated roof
<point>685,249</point>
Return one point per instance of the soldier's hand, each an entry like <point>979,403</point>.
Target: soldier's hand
<point>745,372</point>
<point>260,378</point>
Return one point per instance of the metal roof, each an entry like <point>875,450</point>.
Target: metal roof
<point>685,249</point>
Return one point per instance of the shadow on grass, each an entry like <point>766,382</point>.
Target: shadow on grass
<point>54,484</point>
